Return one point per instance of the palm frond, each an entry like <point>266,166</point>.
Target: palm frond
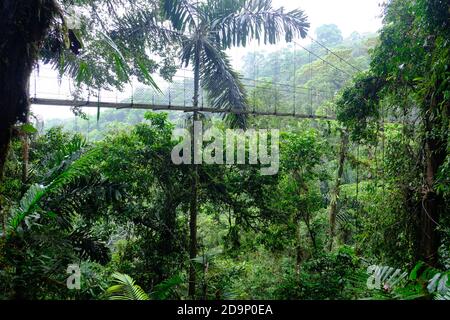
<point>85,196</point>
<point>36,192</point>
<point>125,289</point>
<point>258,20</point>
<point>136,30</point>
<point>77,169</point>
<point>88,246</point>
<point>344,217</point>
<point>140,23</point>
<point>66,154</point>
<point>225,90</point>
<point>216,9</point>
<point>182,13</point>
<point>393,283</point>
<point>27,204</point>
<point>445,296</point>
<point>121,68</point>
<point>389,277</point>
<point>187,51</point>
<point>166,288</point>
<point>437,280</point>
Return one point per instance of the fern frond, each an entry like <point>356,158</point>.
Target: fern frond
<point>27,205</point>
<point>437,280</point>
<point>445,296</point>
<point>164,289</point>
<point>77,169</point>
<point>88,246</point>
<point>36,192</point>
<point>391,284</point>
<point>396,283</point>
<point>125,289</point>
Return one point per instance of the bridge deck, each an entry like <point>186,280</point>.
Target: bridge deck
<point>121,105</point>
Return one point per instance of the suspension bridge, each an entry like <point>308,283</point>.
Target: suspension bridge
<point>265,97</point>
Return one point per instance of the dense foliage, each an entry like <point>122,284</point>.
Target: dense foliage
<point>358,210</point>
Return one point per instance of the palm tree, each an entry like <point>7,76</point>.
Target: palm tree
<point>207,29</point>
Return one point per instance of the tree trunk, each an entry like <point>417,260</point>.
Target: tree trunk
<point>24,25</point>
<point>312,235</point>
<point>337,188</point>
<point>193,234</point>
<point>432,203</point>
<point>194,195</point>
<point>5,137</point>
<point>25,158</point>
<point>298,248</point>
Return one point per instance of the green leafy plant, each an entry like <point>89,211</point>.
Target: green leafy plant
<point>423,282</point>
<point>125,289</point>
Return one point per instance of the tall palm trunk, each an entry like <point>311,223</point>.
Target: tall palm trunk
<point>193,231</point>
<point>194,195</point>
<point>337,188</point>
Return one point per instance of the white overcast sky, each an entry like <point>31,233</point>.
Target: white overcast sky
<point>349,15</point>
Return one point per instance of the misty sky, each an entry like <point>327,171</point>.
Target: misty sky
<point>349,15</point>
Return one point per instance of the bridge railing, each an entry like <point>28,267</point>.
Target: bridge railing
<point>263,96</point>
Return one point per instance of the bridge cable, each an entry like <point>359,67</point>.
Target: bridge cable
<point>335,54</point>
<point>274,82</point>
<point>327,62</point>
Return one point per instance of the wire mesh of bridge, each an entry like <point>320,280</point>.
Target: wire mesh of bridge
<point>264,96</point>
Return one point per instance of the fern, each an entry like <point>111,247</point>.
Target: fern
<point>436,280</point>
<point>77,169</point>
<point>36,192</point>
<point>77,144</point>
<point>423,282</point>
<point>387,277</point>
<point>89,247</point>
<point>27,205</point>
<point>387,281</point>
<point>125,289</point>
<point>166,288</point>
<point>445,296</point>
